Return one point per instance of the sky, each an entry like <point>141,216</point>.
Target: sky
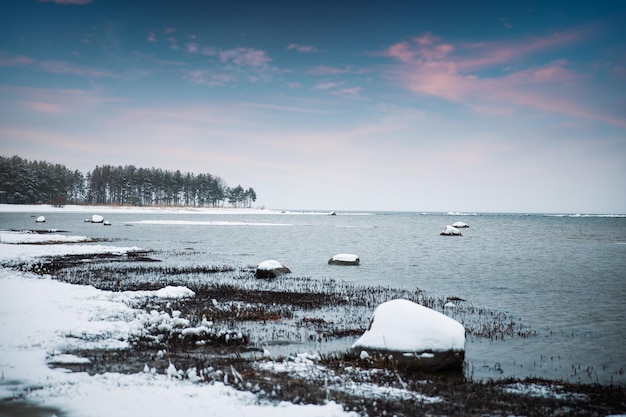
<point>322,105</point>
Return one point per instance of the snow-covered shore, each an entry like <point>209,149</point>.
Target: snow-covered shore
<point>41,319</point>
<point>47,208</point>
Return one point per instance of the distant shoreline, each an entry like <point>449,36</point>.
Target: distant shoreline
<point>95,209</point>
<point>75,208</point>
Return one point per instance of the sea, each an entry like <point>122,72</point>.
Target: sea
<point>562,275</point>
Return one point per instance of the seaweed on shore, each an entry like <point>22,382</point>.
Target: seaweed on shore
<point>223,334</point>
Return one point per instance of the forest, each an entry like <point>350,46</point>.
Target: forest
<point>40,182</point>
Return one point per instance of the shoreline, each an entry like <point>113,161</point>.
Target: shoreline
<point>75,208</point>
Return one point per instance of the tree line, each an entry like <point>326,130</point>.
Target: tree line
<point>40,182</point>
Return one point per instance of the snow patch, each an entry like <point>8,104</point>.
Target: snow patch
<point>405,326</point>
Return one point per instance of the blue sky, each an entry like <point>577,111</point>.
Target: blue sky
<point>396,105</point>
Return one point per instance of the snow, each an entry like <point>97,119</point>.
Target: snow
<point>22,251</point>
<point>96,218</point>
<point>543,391</point>
<point>459,225</point>
<point>345,257</point>
<point>31,237</point>
<point>174,292</point>
<point>451,231</point>
<point>269,265</point>
<point>404,326</point>
<point>67,359</point>
<point>42,319</point>
<point>304,365</point>
<point>47,208</point>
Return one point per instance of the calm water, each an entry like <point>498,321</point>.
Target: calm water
<point>563,276</point>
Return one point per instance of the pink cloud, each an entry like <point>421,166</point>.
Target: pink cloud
<point>210,78</point>
<point>14,61</point>
<point>56,101</point>
<point>326,86</point>
<point>60,67</point>
<point>353,92</point>
<point>245,57</point>
<point>326,70</point>
<point>45,107</point>
<point>152,37</point>
<point>173,43</point>
<point>302,48</point>
<point>619,73</point>
<point>480,75</point>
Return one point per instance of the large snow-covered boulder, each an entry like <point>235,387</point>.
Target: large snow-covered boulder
<point>412,336</point>
<point>344,259</point>
<point>450,231</point>
<point>96,218</point>
<point>271,269</point>
<point>460,225</point>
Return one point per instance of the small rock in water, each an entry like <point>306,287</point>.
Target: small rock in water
<point>344,259</point>
<point>271,269</point>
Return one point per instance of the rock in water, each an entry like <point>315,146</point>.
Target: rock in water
<point>271,269</point>
<point>96,218</point>
<point>460,225</point>
<point>450,231</point>
<point>413,336</point>
<point>344,259</point>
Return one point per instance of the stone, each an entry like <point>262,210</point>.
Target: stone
<point>450,231</point>
<point>408,335</point>
<point>271,269</point>
<point>344,259</point>
<point>96,218</point>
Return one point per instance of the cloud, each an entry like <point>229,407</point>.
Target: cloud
<point>152,37</point>
<point>326,86</point>
<point>486,75</point>
<point>51,101</point>
<point>302,48</point>
<point>15,61</point>
<point>232,66</point>
<point>55,67</point>
<point>173,43</point>
<point>61,67</point>
<point>210,78</point>
<point>45,107</point>
<point>245,57</point>
<point>326,70</point>
<point>352,92</point>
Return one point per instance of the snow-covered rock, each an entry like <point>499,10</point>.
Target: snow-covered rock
<point>344,259</point>
<point>40,219</point>
<point>174,292</point>
<point>271,269</point>
<point>460,225</point>
<point>106,223</point>
<point>413,336</point>
<point>450,231</point>
<point>96,218</point>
